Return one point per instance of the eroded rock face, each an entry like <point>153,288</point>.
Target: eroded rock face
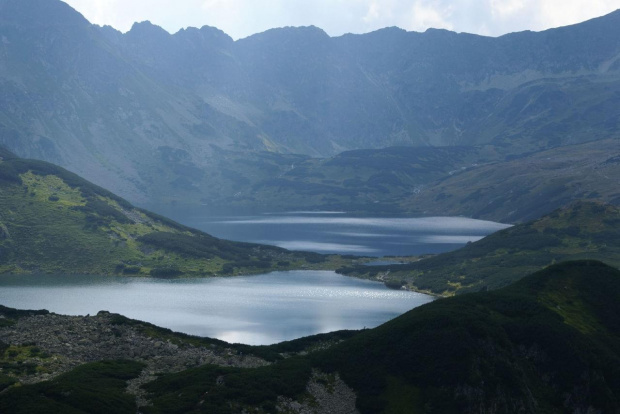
<point>74,340</point>
<point>326,393</point>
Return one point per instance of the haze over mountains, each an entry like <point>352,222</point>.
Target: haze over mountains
<point>159,117</point>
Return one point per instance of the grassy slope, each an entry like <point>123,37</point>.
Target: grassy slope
<point>585,230</point>
<point>54,221</point>
<point>527,187</point>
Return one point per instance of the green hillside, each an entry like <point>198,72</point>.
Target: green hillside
<point>550,343</point>
<point>54,221</point>
<point>584,230</point>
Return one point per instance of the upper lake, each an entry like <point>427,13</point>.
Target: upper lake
<point>338,232</point>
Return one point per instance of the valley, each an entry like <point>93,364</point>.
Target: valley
<point>197,118</point>
<point>407,221</point>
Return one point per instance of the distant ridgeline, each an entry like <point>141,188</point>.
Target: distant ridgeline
<point>582,230</point>
<point>549,343</point>
<point>52,220</point>
<point>195,117</point>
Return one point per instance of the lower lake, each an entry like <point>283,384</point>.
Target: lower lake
<point>254,310</point>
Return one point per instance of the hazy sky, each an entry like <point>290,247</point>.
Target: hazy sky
<point>241,18</point>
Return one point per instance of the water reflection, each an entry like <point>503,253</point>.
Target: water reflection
<point>337,232</point>
<point>254,310</point>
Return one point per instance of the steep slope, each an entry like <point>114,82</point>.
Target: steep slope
<point>52,220</point>
<point>147,113</point>
<point>527,187</point>
<point>583,230</point>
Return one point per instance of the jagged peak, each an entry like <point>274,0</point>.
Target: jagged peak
<point>206,33</point>
<point>291,31</point>
<point>146,27</point>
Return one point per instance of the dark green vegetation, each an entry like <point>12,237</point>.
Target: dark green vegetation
<point>584,230</point>
<point>197,390</point>
<point>11,357</point>
<point>189,117</point>
<point>550,343</point>
<point>525,188</point>
<point>98,387</point>
<point>51,220</point>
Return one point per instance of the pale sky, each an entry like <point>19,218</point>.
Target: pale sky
<point>242,18</point>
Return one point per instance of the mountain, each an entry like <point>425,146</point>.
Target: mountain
<point>153,116</point>
<point>582,230</point>
<point>52,220</point>
<point>359,180</point>
<point>527,187</point>
<point>550,343</point>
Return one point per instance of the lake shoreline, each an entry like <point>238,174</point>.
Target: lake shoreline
<point>257,309</point>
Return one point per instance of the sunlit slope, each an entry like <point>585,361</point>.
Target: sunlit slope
<point>54,221</point>
<point>584,230</point>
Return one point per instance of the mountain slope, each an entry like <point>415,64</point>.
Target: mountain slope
<point>148,114</point>
<point>583,230</point>
<point>51,220</point>
<point>527,187</point>
<point>366,180</point>
<point>550,343</point>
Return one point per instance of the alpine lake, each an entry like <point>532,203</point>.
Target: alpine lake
<point>268,308</point>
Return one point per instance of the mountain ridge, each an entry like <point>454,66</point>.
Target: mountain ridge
<point>96,93</point>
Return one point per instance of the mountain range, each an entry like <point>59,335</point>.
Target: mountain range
<point>164,118</point>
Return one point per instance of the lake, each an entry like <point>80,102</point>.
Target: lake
<point>268,308</point>
<point>338,232</point>
<point>255,310</point>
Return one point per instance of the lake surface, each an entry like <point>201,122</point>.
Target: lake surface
<point>338,232</point>
<point>262,309</point>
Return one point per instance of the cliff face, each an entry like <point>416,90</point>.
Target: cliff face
<point>147,113</point>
